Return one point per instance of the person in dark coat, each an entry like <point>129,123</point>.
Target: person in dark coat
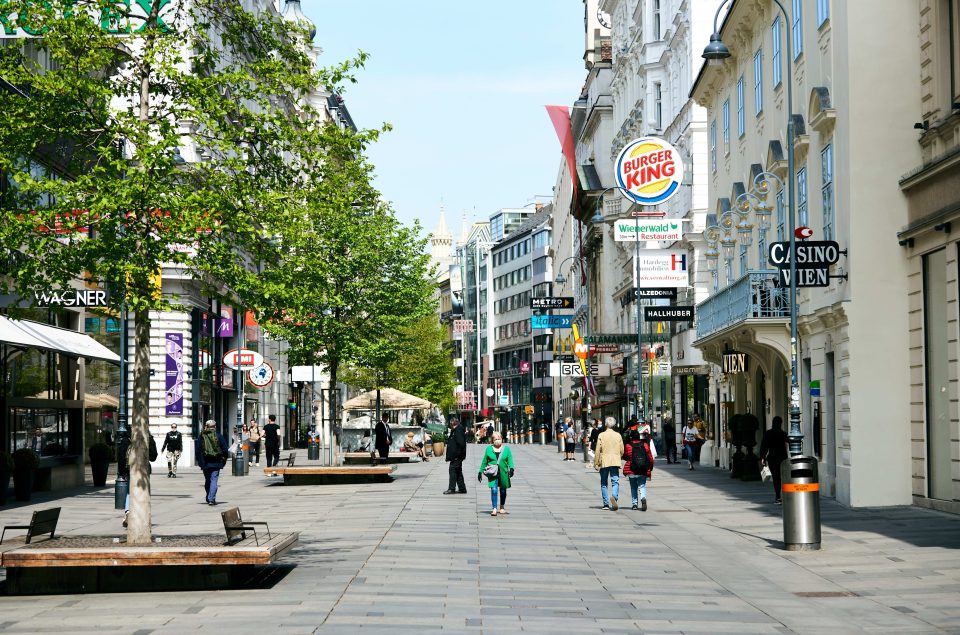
<point>271,441</point>
<point>670,441</point>
<point>211,450</point>
<point>383,436</point>
<point>773,451</point>
<point>172,446</point>
<point>456,453</point>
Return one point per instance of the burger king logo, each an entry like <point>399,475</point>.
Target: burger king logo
<point>649,170</point>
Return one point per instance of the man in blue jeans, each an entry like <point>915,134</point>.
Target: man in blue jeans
<point>211,451</point>
<point>607,459</point>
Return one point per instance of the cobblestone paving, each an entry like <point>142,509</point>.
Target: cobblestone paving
<point>400,557</point>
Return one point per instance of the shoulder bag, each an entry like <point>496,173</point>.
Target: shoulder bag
<point>492,471</point>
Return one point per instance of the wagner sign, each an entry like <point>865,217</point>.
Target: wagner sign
<point>649,170</point>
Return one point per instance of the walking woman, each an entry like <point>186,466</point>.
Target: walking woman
<point>497,455</point>
<point>691,439</point>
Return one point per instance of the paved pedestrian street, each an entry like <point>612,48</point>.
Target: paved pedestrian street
<point>400,557</point>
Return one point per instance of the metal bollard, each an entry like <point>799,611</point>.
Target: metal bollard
<point>240,463</point>
<point>562,442</point>
<point>801,503</point>
<point>543,436</point>
<point>120,490</point>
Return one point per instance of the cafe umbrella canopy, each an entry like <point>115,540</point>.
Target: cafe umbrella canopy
<point>389,399</point>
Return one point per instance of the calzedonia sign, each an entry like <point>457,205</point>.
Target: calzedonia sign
<point>649,171</point>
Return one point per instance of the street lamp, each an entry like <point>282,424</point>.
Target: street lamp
<point>715,52</point>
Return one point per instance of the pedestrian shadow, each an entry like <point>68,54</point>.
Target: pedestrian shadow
<point>911,525</point>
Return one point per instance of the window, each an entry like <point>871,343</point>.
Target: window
<point>758,81</point>
<point>713,145</point>
<point>802,197</point>
<point>826,169</point>
<point>656,21</point>
<point>741,125</point>
<point>797,29</point>
<point>658,104</point>
<point>540,265</point>
<point>781,217</point>
<point>743,260</point>
<point>541,239</point>
<point>823,12</point>
<point>726,126</point>
<point>777,42</point>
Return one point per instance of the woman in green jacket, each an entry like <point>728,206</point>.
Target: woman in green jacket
<point>497,454</point>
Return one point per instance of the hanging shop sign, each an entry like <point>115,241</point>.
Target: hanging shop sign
<point>242,359</point>
<point>814,258</point>
<point>734,362</point>
<point>632,230</point>
<point>551,321</point>
<point>551,303</point>
<point>666,293</point>
<point>668,314</point>
<point>649,170</point>
<point>463,326</point>
<point>701,369</point>
<point>558,369</point>
<point>261,376</point>
<point>72,297</point>
<point>663,268</point>
<point>114,19</point>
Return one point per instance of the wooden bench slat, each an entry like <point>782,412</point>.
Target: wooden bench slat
<point>380,469</point>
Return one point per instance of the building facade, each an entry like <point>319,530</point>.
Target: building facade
<point>928,239</point>
<point>854,371</point>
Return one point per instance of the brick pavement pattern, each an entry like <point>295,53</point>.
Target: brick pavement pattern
<point>400,557</point>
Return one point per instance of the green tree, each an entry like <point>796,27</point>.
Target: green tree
<point>425,365</point>
<point>352,277</point>
<point>118,94</point>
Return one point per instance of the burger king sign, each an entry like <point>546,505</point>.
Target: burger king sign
<point>649,170</point>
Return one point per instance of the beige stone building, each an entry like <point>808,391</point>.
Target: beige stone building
<point>855,85</point>
<point>928,238</point>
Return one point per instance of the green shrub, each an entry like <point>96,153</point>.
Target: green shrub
<point>25,459</point>
<point>439,437</point>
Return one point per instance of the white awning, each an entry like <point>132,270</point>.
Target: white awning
<point>52,338</point>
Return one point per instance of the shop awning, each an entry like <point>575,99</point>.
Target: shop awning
<point>51,338</point>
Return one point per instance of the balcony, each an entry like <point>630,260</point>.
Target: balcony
<point>753,296</point>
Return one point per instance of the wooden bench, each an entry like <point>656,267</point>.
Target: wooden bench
<point>236,528</point>
<point>320,475</point>
<point>42,522</point>
<point>364,458</point>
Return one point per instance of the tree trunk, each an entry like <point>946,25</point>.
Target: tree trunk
<point>139,530</point>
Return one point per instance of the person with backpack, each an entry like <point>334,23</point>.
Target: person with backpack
<point>211,450</point>
<point>638,465</point>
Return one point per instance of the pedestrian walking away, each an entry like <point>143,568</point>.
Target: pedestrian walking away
<point>607,460</point>
<point>172,448</point>
<point>637,467</point>
<point>255,435</point>
<point>456,453</point>
<point>773,452</point>
<point>691,442</point>
<point>383,437</point>
<point>669,432</point>
<point>497,465</point>
<point>211,451</point>
<point>271,441</point>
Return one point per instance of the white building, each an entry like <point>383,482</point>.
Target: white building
<point>855,102</point>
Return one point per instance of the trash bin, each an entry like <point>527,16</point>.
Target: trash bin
<point>801,503</point>
<point>240,467</point>
<point>120,490</point>
<point>313,446</point>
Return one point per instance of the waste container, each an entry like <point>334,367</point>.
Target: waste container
<point>313,446</point>
<point>120,490</point>
<point>240,467</point>
<point>801,503</point>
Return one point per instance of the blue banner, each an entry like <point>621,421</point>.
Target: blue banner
<point>551,321</point>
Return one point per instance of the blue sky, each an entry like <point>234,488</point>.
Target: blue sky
<point>464,85</point>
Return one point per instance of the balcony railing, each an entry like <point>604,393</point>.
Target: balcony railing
<point>754,295</point>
